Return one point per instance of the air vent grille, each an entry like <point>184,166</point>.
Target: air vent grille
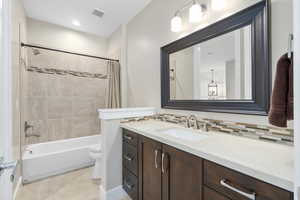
<point>98,13</point>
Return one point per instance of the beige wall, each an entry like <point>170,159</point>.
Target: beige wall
<point>150,30</point>
<point>58,37</point>
<point>63,106</point>
<point>114,44</point>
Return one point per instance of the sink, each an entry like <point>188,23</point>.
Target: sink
<point>184,134</point>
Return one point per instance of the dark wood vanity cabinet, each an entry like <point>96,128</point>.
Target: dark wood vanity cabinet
<point>181,175</point>
<point>130,164</point>
<point>155,171</point>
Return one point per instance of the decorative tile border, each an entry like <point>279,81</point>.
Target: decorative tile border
<point>65,72</point>
<point>253,131</point>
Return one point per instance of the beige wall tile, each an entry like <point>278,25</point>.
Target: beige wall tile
<point>83,106</point>
<point>59,85</point>
<point>59,107</point>
<point>36,108</point>
<point>37,84</point>
<point>84,126</point>
<point>59,129</point>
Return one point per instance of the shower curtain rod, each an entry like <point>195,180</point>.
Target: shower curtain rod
<point>62,51</point>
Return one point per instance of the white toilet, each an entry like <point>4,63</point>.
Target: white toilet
<point>96,154</point>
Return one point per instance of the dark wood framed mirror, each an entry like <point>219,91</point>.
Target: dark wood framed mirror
<point>224,67</point>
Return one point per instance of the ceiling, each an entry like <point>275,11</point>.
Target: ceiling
<point>116,12</point>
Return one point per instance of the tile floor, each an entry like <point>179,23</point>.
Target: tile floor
<point>75,185</point>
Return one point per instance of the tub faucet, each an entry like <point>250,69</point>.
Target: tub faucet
<point>26,128</point>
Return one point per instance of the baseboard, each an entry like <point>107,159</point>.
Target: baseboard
<point>19,183</point>
<point>116,193</point>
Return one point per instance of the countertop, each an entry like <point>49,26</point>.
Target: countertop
<point>269,162</point>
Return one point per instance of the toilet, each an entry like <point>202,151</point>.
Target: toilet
<point>96,154</point>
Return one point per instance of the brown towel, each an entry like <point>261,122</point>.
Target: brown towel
<point>282,104</point>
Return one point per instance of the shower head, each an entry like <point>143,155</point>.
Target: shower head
<point>36,52</point>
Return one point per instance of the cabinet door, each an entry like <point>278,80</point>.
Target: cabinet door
<point>150,169</point>
<point>182,175</point>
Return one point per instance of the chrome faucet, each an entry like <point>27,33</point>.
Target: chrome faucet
<point>192,122</point>
<point>206,124</point>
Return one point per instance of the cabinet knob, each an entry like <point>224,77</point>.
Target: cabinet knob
<point>127,137</point>
<point>128,158</point>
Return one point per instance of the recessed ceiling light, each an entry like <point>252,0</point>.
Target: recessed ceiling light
<point>76,23</point>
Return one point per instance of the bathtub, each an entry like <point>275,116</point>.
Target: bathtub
<point>52,158</point>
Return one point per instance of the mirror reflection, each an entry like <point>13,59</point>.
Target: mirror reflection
<point>217,69</point>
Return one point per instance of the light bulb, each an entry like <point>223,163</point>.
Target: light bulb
<point>217,5</point>
<point>176,24</point>
<point>196,13</point>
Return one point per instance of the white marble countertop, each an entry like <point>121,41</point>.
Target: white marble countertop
<point>269,162</point>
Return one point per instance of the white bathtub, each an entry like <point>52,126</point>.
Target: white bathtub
<point>52,158</point>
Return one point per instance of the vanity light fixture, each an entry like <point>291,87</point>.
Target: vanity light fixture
<point>196,12</point>
<point>176,23</point>
<point>217,5</point>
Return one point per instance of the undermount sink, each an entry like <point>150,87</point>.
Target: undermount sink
<point>184,134</point>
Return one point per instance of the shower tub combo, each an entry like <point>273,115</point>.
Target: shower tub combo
<point>52,158</point>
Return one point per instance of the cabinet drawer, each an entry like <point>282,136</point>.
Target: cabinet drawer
<point>130,184</point>
<point>130,158</point>
<point>237,186</point>
<point>130,137</point>
<point>209,194</point>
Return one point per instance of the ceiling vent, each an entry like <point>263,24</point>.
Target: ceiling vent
<point>98,13</point>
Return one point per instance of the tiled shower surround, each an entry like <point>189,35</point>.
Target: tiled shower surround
<point>63,105</point>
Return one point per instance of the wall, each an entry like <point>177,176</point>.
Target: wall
<point>62,106</point>
<point>18,34</point>
<point>59,37</point>
<point>147,32</point>
<point>114,44</point>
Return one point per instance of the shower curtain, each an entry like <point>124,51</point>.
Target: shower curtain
<point>114,91</point>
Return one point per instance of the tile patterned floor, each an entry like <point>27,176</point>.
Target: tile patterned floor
<point>75,185</point>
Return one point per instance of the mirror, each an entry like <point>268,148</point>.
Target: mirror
<point>217,69</point>
<point>224,67</point>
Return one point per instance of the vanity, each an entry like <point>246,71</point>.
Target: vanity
<point>224,68</point>
<point>159,163</point>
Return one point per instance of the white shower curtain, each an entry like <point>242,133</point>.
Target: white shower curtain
<point>114,91</point>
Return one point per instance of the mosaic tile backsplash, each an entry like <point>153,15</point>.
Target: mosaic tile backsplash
<point>253,131</point>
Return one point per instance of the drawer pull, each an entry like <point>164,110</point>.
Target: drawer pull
<point>155,158</point>
<point>128,137</point>
<point>128,158</point>
<point>162,163</point>
<point>128,185</point>
<point>251,196</point>
<point>164,167</point>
